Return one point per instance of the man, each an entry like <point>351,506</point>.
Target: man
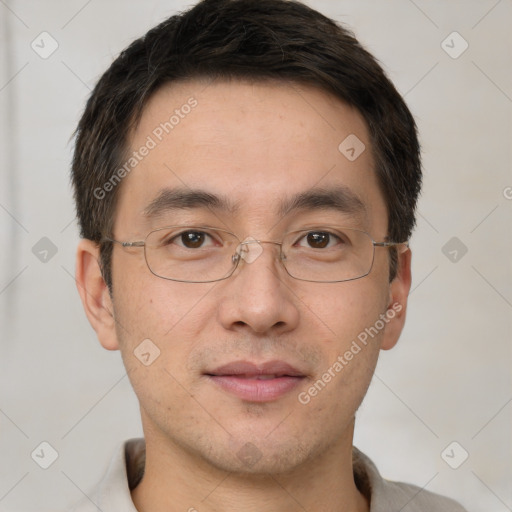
<point>246,179</point>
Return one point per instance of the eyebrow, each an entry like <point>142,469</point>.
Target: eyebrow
<point>336,198</point>
<point>182,198</point>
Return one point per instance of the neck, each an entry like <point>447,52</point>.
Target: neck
<point>178,480</point>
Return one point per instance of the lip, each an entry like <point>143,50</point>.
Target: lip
<point>254,382</point>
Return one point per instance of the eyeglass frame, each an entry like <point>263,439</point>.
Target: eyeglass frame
<point>236,257</point>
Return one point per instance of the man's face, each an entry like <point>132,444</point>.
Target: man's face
<point>258,146</point>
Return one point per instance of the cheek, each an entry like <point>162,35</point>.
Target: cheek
<point>348,319</point>
<point>159,324</point>
<point>154,331</point>
<point>343,310</point>
<point>151,307</point>
<point>349,353</point>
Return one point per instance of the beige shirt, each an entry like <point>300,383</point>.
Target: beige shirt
<point>127,467</point>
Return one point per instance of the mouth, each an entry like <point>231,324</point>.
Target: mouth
<point>253,382</point>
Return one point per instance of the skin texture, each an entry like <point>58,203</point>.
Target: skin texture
<point>256,144</point>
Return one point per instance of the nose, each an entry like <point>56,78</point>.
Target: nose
<point>258,296</point>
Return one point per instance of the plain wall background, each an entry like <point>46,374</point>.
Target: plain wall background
<point>448,379</point>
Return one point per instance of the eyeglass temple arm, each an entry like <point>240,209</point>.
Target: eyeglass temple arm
<point>390,244</point>
<point>124,244</point>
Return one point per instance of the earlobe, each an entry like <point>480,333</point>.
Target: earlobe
<point>95,295</point>
<point>397,306</point>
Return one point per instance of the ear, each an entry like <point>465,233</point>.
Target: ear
<point>94,293</point>
<point>397,304</point>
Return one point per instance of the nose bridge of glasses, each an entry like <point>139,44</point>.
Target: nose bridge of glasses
<point>250,249</point>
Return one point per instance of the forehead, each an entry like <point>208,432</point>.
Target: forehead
<point>258,144</point>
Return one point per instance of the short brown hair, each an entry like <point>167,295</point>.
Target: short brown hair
<point>279,40</point>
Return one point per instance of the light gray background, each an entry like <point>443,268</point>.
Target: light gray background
<point>449,378</point>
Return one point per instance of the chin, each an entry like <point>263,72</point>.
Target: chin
<point>253,460</point>
<point>258,455</point>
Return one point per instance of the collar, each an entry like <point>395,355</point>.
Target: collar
<point>127,469</point>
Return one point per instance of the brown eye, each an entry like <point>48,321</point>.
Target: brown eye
<point>318,240</point>
<point>193,239</point>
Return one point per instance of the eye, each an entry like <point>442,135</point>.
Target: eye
<point>320,240</point>
<point>190,239</point>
